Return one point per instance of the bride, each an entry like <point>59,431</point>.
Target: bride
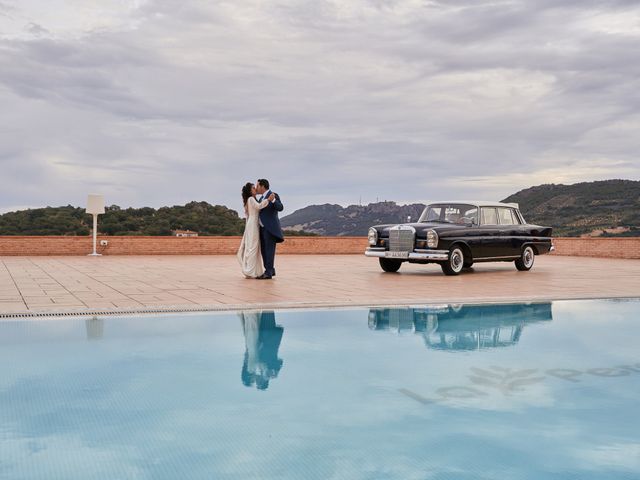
<point>249,253</point>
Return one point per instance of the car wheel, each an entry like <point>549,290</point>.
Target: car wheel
<point>455,263</point>
<point>389,265</point>
<point>525,262</point>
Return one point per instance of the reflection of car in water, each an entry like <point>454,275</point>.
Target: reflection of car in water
<point>451,327</point>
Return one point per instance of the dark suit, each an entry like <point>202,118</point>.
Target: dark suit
<point>270,232</point>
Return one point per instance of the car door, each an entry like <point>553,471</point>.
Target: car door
<point>523,231</point>
<point>509,227</point>
<point>489,233</point>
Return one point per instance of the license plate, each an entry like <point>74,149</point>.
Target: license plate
<point>397,254</point>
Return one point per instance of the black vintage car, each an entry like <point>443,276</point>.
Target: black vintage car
<point>458,234</point>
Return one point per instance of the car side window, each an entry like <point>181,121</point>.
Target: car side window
<point>516,218</point>
<point>488,216</point>
<point>434,214</point>
<point>472,214</point>
<point>505,215</point>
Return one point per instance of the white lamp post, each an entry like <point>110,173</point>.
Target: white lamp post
<point>95,206</point>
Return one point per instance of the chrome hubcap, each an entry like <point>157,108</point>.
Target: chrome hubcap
<point>457,260</point>
<point>527,257</point>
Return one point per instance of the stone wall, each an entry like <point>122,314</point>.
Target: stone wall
<point>132,245</point>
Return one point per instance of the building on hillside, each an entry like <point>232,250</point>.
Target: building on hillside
<point>185,233</point>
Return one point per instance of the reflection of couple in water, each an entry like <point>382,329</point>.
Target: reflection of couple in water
<point>262,339</point>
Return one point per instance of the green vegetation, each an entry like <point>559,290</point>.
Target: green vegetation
<point>582,208</point>
<point>572,210</point>
<point>46,221</point>
<point>299,233</point>
<point>197,216</point>
<point>200,217</point>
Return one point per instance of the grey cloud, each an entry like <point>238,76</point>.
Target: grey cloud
<point>5,9</point>
<point>58,71</point>
<point>355,96</point>
<point>36,30</point>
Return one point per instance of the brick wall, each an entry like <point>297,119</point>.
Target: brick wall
<point>134,245</point>
<point>626,247</point>
<point>21,245</point>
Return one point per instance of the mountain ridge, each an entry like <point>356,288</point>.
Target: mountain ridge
<point>605,207</point>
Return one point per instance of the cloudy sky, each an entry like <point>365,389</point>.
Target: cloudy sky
<point>159,102</point>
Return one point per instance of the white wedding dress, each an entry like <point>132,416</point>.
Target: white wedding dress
<point>249,254</point>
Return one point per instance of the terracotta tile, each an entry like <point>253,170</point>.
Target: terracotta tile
<point>120,282</point>
<point>12,307</point>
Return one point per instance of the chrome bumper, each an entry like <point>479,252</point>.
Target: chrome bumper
<point>418,254</point>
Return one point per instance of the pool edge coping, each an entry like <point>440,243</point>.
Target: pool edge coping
<point>280,306</point>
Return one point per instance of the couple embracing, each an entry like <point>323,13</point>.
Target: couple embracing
<point>262,231</point>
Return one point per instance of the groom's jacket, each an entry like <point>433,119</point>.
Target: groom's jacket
<point>269,217</point>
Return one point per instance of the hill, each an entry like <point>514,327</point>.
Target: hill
<point>335,220</point>
<point>609,207</point>
<point>198,216</point>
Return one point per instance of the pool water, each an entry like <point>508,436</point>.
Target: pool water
<point>522,391</point>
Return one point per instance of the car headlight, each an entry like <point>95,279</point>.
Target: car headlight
<point>432,239</point>
<point>373,236</point>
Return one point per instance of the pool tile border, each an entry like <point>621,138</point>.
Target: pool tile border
<point>283,306</point>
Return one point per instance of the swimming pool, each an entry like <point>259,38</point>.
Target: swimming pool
<point>522,391</point>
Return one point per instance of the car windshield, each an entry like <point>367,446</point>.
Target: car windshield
<point>458,213</point>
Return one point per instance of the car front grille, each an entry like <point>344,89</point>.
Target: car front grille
<point>401,319</point>
<point>401,240</point>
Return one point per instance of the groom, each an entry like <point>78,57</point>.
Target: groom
<point>270,230</point>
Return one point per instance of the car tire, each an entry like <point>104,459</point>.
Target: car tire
<point>455,262</point>
<point>389,265</point>
<point>527,257</point>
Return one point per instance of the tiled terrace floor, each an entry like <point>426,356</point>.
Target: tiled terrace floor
<point>30,284</point>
